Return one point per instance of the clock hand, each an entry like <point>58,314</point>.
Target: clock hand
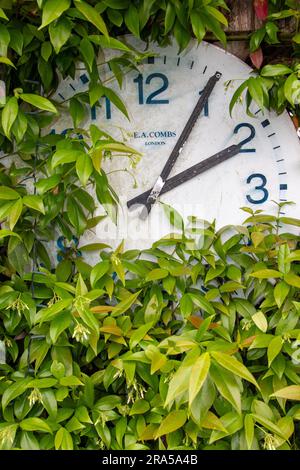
<point>159,184</point>
<point>190,173</point>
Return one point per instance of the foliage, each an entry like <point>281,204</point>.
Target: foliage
<point>186,345</point>
<point>196,347</point>
<point>277,85</point>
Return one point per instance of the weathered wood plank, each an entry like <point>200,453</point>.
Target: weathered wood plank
<point>242,19</point>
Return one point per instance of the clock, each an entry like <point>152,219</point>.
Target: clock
<point>220,162</point>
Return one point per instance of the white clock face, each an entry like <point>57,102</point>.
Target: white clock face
<point>160,99</point>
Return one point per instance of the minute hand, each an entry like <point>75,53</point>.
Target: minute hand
<point>190,173</point>
<point>159,184</point>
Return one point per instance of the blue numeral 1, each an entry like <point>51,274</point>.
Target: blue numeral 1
<point>107,110</point>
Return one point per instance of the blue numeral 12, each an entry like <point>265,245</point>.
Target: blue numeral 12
<point>151,98</point>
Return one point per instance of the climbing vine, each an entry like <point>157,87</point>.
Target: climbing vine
<point>116,355</point>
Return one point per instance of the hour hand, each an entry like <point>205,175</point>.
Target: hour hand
<point>190,173</point>
<point>159,184</point>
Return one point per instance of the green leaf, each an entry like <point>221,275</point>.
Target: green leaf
<point>227,386</point>
<point>272,32</point>
<point>274,349</point>
<point>46,50</point>
<point>121,426</point>
<point>77,111</point>
<point>87,52</point>
<point>60,32</point>
<point>82,415</point>
<point>217,14</point>
<point>42,383</point>
<point>57,369</point>
<point>211,421</point>
<point>197,25</point>
<point>256,91</point>
<point>117,101</point>
<point>5,40</point>
<point>9,115</point>
<point>256,39</point>
<point>268,424</point>
<point>8,233</point>
<point>49,402</point>
<point>92,16</point>
<point>266,274</point>
<point>292,89</point>
<point>125,304</point>
<point>34,202</point>
<point>98,271</point>
<point>8,194</point>
<point>52,10</point>
<point>15,213</point>
<point>233,365</point>
<point>292,279</point>
<point>203,328</point>
<point>198,376</point>
<point>35,424</point>
<point>158,360</point>
<point>204,304</point>
<point>179,383</point>
<point>14,391</point>
<point>48,313</point>
<point>109,43</point>
<point>156,274</point>
<point>84,167</point>
<point>139,334</point>
<point>65,156</point>
<point>232,422</point>
<point>139,407</point>
<point>39,102</point>
<point>132,20</point>
<point>6,61</point>
<point>249,430</point>
<point>58,325</point>
<point>76,215</point>
<point>290,221</point>
<point>170,16</point>
<point>260,321</point>
<point>174,217</point>
<point>296,38</point>
<point>237,95</point>
<point>186,305</point>
<point>117,147</point>
<point>118,267</point>
<point>214,26</point>
<point>275,70</point>
<point>45,184</point>
<point>63,439</point>
<point>281,291</point>
<point>292,392</point>
<point>19,126</point>
<point>70,381</point>
<point>174,420</point>
<point>3,15</point>
<point>16,41</point>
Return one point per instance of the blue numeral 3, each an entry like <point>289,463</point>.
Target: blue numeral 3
<point>260,187</point>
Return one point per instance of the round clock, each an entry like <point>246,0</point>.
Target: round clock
<point>200,161</point>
